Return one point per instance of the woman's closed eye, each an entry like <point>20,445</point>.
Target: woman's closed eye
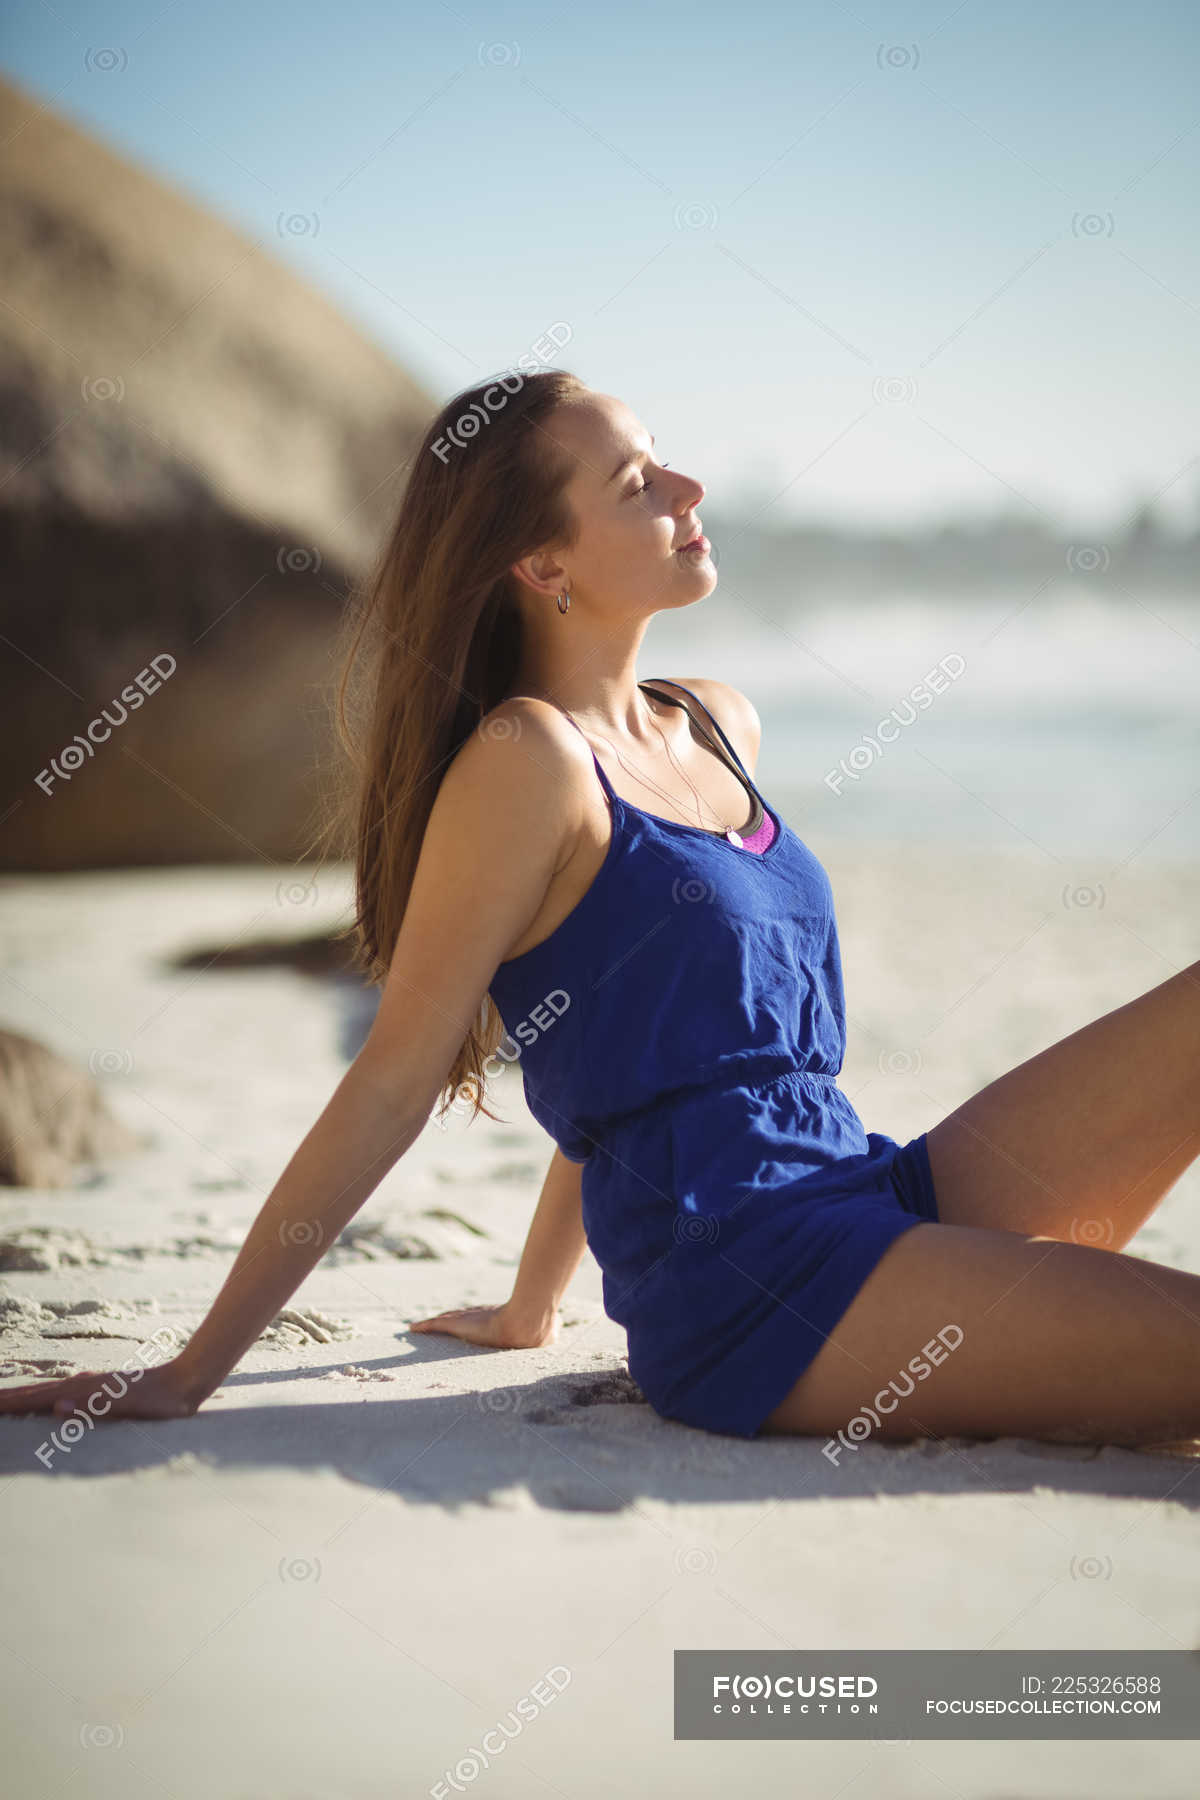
<point>647,485</point>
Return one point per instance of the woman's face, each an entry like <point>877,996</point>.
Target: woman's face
<point>635,515</point>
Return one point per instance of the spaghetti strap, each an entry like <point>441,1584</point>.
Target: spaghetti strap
<point>605,783</point>
<point>699,702</point>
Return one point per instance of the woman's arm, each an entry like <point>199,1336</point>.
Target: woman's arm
<point>365,1128</point>
<point>507,813</point>
<point>554,1246</point>
<point>553,1250</point>
<point>362,1132</point>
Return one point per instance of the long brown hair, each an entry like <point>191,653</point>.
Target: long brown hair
<point>433,641</point>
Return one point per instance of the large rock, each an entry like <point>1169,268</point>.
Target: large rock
<point>52,1116</point>
<point>199,453</point>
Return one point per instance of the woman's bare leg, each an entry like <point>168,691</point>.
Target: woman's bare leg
<point>1059,1340</point>
<point>1083,1140</point>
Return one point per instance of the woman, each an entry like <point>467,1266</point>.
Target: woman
<point>552,855</point>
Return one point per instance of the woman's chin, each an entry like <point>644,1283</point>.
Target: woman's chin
<point>686,594</point>
<point>698,570</point>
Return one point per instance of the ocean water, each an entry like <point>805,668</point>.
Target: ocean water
<point>1066,727</point>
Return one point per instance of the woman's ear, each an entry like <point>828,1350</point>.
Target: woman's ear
<point>541,571</point>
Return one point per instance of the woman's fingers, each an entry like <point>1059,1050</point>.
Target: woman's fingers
<point>102,1393</point>
<point>42,1396</point>
<point>19,1399</point>
<point>475,1324</point>
<point>459,1315</point>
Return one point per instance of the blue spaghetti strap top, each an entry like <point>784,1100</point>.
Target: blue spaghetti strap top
<point>680,1034</point>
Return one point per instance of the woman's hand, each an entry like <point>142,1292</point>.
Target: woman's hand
<point>98,1394</point>
<point>499,1327</point>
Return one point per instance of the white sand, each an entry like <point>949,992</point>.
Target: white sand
<point>280,1597</point>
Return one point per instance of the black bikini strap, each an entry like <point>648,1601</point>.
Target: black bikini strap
<point>699,702</point>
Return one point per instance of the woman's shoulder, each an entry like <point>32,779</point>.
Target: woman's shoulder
<point>545,725</point>
<point>734,711</point>
<point>528,745</point>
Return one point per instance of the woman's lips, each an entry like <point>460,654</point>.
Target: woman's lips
<point>700,544</point>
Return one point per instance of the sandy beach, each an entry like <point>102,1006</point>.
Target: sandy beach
<point>290,1596</point>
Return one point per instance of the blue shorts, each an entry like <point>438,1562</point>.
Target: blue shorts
<point>730,1320</point>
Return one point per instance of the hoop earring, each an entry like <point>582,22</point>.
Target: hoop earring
<point>559,602</point>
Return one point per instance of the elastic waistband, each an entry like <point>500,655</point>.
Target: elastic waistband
<point>757,1073</point>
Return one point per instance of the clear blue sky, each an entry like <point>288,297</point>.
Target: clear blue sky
<point>762,223</point>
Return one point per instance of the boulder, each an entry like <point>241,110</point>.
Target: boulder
<point>198,455</point>
<point>53,1115</point>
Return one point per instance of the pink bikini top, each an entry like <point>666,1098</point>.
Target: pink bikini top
<point>760,839</point>
<point>763,834</point>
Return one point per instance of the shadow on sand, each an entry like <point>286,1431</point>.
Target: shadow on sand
<point>587,1444</point>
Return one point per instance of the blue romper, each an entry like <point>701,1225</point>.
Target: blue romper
<point>680,1034</point>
